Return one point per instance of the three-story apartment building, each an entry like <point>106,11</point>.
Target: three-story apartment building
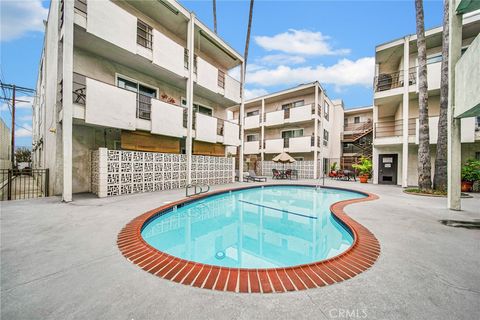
<point>395,110</point>
<point>301,121</point>
<point>130,75</point>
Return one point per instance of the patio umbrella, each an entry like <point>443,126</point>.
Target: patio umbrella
<point>283,158</point>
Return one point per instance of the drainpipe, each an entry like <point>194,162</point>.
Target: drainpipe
<point>405,106</point>
<point>241,122</point>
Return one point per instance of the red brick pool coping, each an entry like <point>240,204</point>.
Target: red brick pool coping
<point>359,257</point>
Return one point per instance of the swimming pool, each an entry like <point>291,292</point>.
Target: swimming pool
<point>268,227</point>
<point>258,239</point>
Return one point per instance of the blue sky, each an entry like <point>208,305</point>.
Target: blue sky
<point>292,42</point>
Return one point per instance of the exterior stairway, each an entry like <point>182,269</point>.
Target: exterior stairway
<point>357,143</point>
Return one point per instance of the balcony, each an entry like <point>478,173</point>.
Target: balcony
<point>291,115</point>
<point>252,122</point>
<point>299,144</point>
<point>388,81</point>
<point>213,79</point>
<point>274,145</point>
<point>110,106</point>
<point>251,147</point>
<point>216,130</point>
<point>127,40</point>
<point>393,128</point>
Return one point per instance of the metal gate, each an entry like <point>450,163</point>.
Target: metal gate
<point>23,184</point>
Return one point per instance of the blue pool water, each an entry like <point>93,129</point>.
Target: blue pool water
<point>265,227</point>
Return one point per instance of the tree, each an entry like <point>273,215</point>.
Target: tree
<point>424,164</point>
<point>440,175</point>
<point>215,16</point>
<point>249,29</point>
<point>23,154</point>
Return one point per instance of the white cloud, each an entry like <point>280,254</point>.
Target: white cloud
<point>23,102</point>
<point>26,131</point>
<point>253,93</point>
<point>300,42</point>
<point>20,17</point>
<point>344,73</point>
<point>282,59</point>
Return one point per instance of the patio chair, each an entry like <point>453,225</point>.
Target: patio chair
<point>252,176</point>
<point>245,177</point>
<point>276,174</point>
<point>294,174</point>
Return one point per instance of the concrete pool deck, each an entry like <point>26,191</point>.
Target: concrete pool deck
<point>61,261</point>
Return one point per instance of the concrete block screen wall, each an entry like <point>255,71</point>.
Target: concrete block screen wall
<point>116,172</point>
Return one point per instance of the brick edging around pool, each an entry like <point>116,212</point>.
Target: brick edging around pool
<point>361,255</point>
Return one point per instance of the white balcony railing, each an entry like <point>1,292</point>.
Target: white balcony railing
<point>252,122</point>
<point>274,145</point>
<point>291,115</point>
<point>121,30</point>
<point>300,144</point>
<point>252,147</point>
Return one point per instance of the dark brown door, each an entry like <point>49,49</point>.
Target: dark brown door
<point>387,164</point>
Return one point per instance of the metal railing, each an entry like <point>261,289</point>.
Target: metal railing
<point>387,81</point>
<point>16,184</point>
<point>394,128</point>
<point>79,88</point>
<point>198,188</point>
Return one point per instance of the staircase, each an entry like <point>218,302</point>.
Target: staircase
<point>357,143</point>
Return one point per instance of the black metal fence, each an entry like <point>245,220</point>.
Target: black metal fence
<point>16,184</point>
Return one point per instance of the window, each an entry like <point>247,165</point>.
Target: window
<point>356,120</point>
<point>202,109</point>
<point>325,137</point>
<point>144,96</point>
<point>477,155</point>
<point>195,58</point>
<point>477,123</point>
<point>295,104</point>
<point>326,110</point>
<point>292,133</point>
<point>345,121</point>
<point>252,137</point>
<point>253,113</point>
<point>434,58</point>
<point>221,79</point>
<point>144,34</point>
<point>185,58</point>
<point>299,158</point>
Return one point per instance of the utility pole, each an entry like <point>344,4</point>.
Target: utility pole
<point>12,152</point>
<point>14,100</point>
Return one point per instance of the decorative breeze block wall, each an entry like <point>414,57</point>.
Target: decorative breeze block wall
<point>117,172</point>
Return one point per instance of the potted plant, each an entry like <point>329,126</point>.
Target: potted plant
<point>470,174</point>
<point>364,169</point>
<point>333,170</point>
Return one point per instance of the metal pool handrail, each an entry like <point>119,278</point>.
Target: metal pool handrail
<point>196,191</point>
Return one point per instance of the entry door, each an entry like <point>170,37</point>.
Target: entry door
<point>387,173</point>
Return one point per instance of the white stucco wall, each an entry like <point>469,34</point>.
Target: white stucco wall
<point>252,122</point>
<point>108,21</point>
<point>205,128</point>
<point>207,75</point>
<point>231,134</point>
<point>300,144</point>
<point>167,119</point>
<point>232,89</point>
<point>274,146</point>
<point>274,118</point>
<point>301,113</point>
<point>167,53</point>
<point>467,80</point>
<point>251,147</point>
<point>110,106</point>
